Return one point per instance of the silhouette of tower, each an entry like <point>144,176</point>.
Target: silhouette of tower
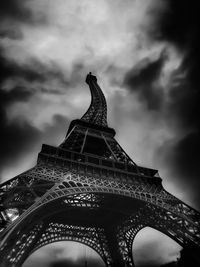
<point>90,191</point>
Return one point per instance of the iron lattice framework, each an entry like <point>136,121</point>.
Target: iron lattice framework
<point>90,191</point>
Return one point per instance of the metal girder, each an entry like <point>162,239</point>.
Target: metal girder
<point>97,112</point>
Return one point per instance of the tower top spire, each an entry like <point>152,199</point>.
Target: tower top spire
<point>90,78</point>
<point>97,111</point>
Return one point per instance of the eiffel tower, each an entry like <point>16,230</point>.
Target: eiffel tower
<point>90,191</point>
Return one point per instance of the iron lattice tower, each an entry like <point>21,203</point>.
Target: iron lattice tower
<point>90,191</point>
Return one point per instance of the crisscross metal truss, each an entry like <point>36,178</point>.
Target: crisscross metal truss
<point>82,186</point>
<point>52,227</point>
<point>97,112</point>
<point>90,236</point>
<point>49,232</point>
<point>78,139</point>
<point>23,191</point>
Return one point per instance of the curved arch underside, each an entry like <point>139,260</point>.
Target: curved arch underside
<point>151,247</point>
<point>107,223</point>
<point>64,253</point>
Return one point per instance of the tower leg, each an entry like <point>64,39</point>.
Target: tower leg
<point>119,249</point>
<point>18,248</point>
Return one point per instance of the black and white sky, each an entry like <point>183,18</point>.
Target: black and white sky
<point>146,56</point>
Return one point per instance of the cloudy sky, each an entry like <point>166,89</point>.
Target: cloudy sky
<point>146,56</point>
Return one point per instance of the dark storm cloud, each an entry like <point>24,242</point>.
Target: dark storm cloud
<point>12,70</point>
<point>183,155</point>
<point>182,159</point>
<point>186,156</point>
<point>184,103</point>
<point>179,24</point>
<point>18,11</point>
<point>34,71</point>
<point>13,14</point>
<point>15,138</point>
<point>19,138</point>
<point>14,9</point>
<point>181,27</point>
<point>142,80</point>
